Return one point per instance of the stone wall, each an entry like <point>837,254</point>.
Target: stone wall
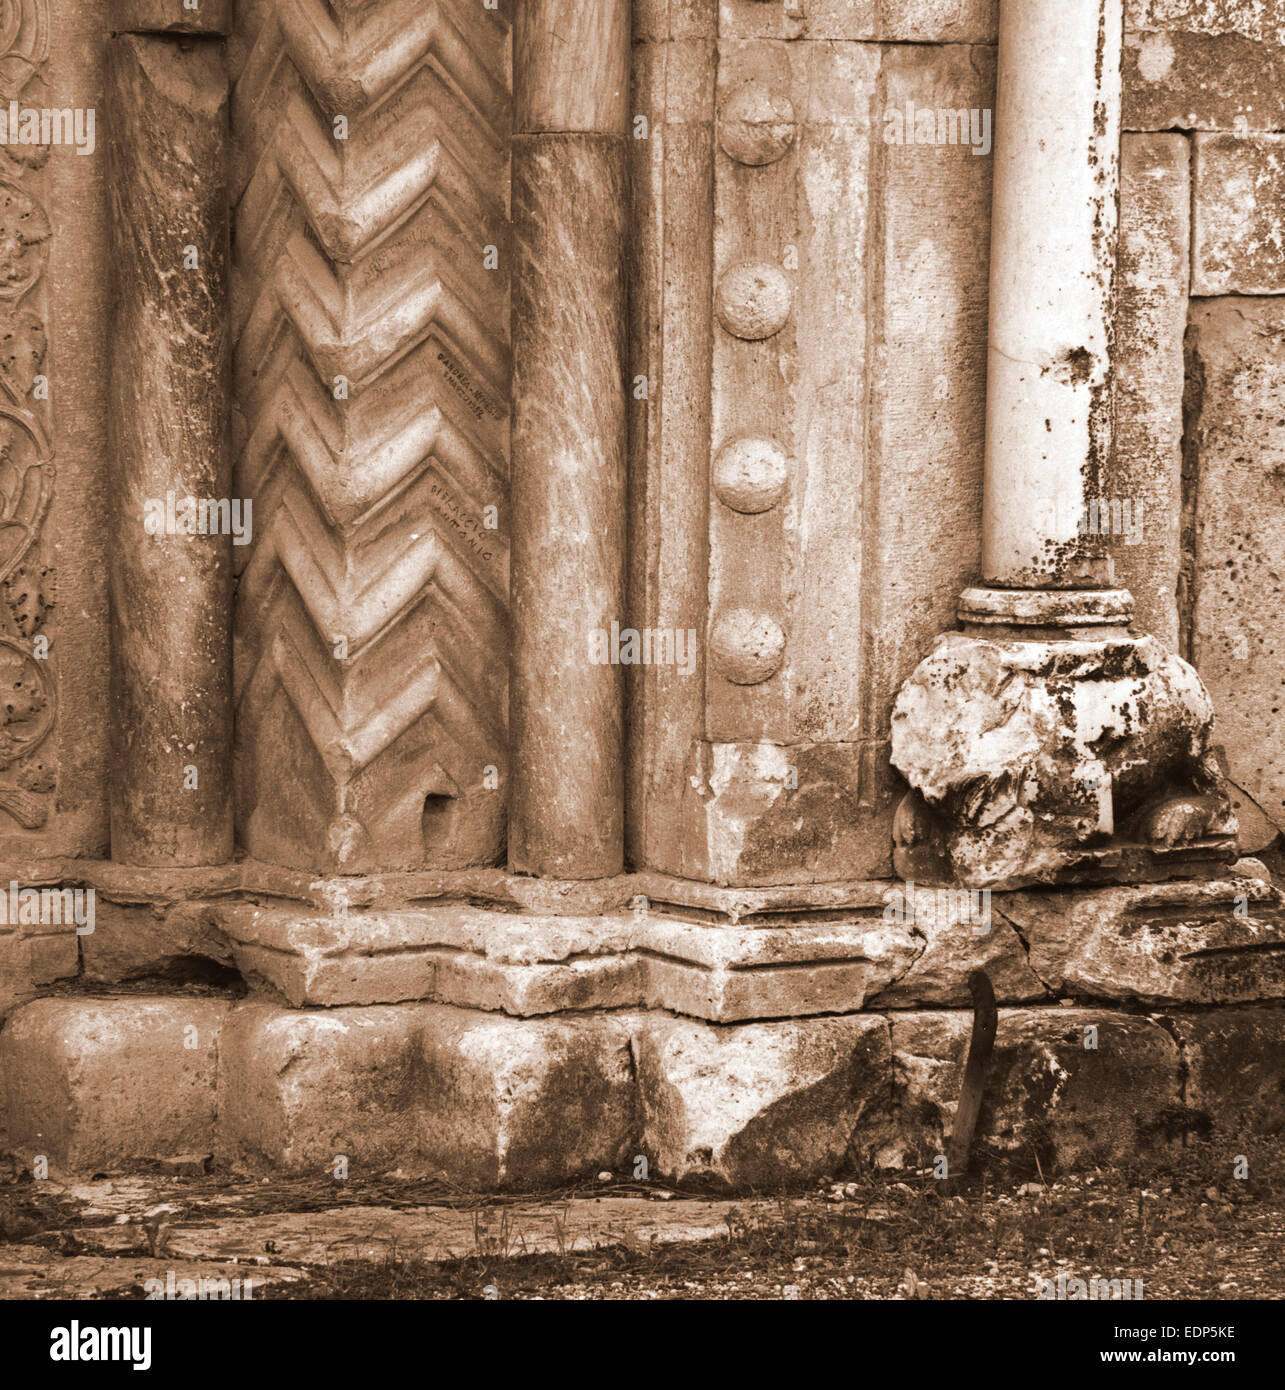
<point>754,999</point>
<point>1201,334</point>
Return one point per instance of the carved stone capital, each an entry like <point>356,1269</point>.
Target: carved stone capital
<point>1043,761</point>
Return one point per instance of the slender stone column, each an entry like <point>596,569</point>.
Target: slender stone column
<point>169,409</point>
<point>1048,428</point>
<point>571,66</point>
<point>1046,744</point>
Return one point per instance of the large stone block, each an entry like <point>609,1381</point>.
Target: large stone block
<point>1215,942</point>
<point>1150,324</point>
<point>960,932</point>
<point>525,1102</point>
<point>1237,435</point>
<point>1184,81</point>
<point>95,1083</point>
<point>1239,215</point>
<point>1064,1086</point>
<point>1235,1068</point>
<point>761,1104</point>
<point>299,1088</point>
<point>133,940</point>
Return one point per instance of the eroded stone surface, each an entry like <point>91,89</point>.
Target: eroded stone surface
<point>1217,942</point>
<point>1177,80</point>
<point>92,1083</point>
<point>1028,751</point>
<point>761,1104</point>
<point>1154,270</point>
<point>1239,215</point>
<point>1235,1067</point>
<point>299,1089</point>
<point>1238,442</point>
<point>1063,1085</point>
<point>529,1102</point>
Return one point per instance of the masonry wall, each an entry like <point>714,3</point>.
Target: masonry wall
<point>870,402</point>
<point>770,764</point>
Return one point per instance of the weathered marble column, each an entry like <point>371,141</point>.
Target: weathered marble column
<point>571,88</point>
<point>169,407</point>
<point>1053,230</point>
<point>1046,744</point>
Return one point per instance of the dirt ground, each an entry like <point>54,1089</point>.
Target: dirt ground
<point>1187,1228</point>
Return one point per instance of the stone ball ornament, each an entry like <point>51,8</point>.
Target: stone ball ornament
<point>753,300</point>
<point>757,124</point>
<point>747,647</point>
<point>750,475</point>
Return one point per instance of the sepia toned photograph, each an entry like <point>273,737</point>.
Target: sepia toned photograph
<point>643,660</point>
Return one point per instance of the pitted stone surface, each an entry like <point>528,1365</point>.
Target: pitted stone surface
<point>92,1083</point>
<point>1239,215</point>
<point>763,1103</point>
<point>757,125</point>
<point>1030,750</point>
<point>747,647</point>
<point>1179,80</point>
<point>753,300</point>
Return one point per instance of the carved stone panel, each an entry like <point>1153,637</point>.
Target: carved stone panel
<point>371,371</point>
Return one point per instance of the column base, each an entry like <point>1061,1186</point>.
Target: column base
<point>487,1102</point>
<point>512,1034</point>
<point>1033,760</point>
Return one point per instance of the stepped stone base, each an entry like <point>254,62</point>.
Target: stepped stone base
<point>490,1101</point>
<point>510,1033</point>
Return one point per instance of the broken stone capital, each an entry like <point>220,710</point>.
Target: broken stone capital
<point>1032,759</point>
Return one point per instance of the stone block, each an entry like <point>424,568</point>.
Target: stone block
<point>886,21</point>
<point>1239,215</point>
<point>298,1088</point>
<point>959,934</point>
<point>525,1102</point>
<point>1252,18</point>
<point>1216,942</point>
<point>96,1083</point>
<point>1189,81</point>
<point>1048,1095</point>
<point>1151,322</point>
<point>1235,1068</point>
<point>731,974</point>
<point>759,1105</point>
<point>133,940</point>
<point>1237,438</point>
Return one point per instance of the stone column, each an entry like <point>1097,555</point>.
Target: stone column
<point>1045,744</point>
<point>169,407</point>
<point>571,88</point>
<point>1053,238</point>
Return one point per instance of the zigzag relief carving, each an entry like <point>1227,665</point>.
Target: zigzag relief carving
<point>372,371</point>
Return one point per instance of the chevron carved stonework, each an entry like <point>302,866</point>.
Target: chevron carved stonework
<point>372,380</point>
